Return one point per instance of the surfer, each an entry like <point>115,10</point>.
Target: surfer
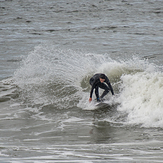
<point>97,81</point>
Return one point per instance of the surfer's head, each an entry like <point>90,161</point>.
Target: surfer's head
<point>102,78</point>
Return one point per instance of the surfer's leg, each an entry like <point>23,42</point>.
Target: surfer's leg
<point>104,86</point>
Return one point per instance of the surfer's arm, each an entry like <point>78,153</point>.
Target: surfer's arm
<point>91,92</point>
<point>111,89</point>
<point>109,85</point>
<point>90,99</point>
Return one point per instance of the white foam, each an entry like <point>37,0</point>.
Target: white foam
<point>141,98</point>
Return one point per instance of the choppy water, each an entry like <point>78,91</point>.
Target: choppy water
<point>48,52</point>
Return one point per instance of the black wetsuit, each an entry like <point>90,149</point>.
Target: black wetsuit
<point>95,83</point>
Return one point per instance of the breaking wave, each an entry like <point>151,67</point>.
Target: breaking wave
<point>58,77</point>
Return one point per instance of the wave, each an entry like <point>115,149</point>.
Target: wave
<point>58,77</point>
<point>141,98</point>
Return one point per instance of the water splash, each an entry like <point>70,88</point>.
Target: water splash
<point>51,75</point>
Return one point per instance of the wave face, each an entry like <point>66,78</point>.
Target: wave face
<point>60,78</point>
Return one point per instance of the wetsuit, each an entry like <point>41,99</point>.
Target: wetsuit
<point>95,83</point>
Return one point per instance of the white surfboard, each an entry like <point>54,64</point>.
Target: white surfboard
<point>102,105</point>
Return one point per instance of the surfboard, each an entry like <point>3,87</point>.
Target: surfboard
<point>102,105</point>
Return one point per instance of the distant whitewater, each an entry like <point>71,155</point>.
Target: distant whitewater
<point>58,77</point>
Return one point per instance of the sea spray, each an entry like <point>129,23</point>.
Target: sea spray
<point>54,76</point>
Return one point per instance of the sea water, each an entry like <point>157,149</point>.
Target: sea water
<point>50,50</point>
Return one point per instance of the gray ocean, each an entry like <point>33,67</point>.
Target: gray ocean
<point>49,49</point>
